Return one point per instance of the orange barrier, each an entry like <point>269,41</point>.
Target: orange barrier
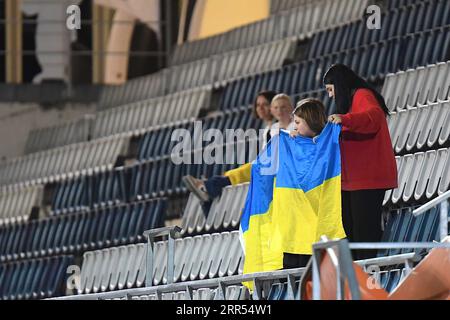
<point>428,280</point>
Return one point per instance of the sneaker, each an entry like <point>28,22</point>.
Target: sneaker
<point>197,187</point>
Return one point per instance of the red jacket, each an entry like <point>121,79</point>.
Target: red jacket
<point>367,156</point>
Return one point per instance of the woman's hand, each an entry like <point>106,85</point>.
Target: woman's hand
<point>293,133</point>
<point>335,118</point>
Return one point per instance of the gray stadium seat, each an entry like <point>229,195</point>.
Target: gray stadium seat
<point>422,176</point>
<point>17,202</point>
<point>300,21</point>
<point>140,116</point>
<point>63,134</point>
<point>225,212</point>
<point>56,164</point>
<point>201,257</point>
<point>137,89</point>
<point>417,87</point>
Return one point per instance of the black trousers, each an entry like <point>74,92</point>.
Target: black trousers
<point>361,217</point>
<point>292,261</point>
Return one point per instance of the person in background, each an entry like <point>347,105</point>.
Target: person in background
<point>281,109</point>
<point>368,162</point>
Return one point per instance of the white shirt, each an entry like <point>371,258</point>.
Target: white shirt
<point>274,130</point>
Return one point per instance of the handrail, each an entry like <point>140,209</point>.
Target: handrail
<point>227,281</point>
<point>344,268</point>
<point>431,204</point>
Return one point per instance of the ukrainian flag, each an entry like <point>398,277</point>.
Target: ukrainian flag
<point>293,199</point>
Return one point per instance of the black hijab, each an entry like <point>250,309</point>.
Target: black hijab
<point>346,82</point>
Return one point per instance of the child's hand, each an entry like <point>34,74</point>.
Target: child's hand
<point>293,133</point>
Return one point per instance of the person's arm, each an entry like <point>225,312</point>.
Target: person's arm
<point>368,120</point>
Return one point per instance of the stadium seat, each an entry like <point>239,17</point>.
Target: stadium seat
<point>421,176</point>
<point>402,226</point>
<point>150,86</point>
<point>138,116</point>
<point>56,164</point>
<point>419,128</point>
<point>224,213</point>
<point>37,279</point>
<point>124,266</point>
<point>417,87</point>
<point>67,133</point>
<point>17,202</point>
<point>69,233</point>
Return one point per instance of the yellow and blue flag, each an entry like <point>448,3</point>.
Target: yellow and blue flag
<point>294,198</point>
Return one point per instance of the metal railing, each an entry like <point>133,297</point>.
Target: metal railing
<point>342,262</point>
<point>343,265</point>
<point>173,233</point>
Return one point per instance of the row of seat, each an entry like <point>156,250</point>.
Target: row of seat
<point>299,22</point>
<point>159,142</point>
<point>141,115</point>
<point>34,279</point>
<point>57,136</point>
<point>56,164</point>
<point>200,73</point>
<point>225,212</point>
<point>200,257</point>
<point>17,203</point>
<point>419,17</point>
<point>90,191</point>
<point>163,177</point>
<point>372,62</point>
<point>78,232</point>
<point>421,177</point>
<point>420,128</point>
<point>137,89</point>
<point>419,86</point>
<point>388,280</point>
<point>392,4</point>
<point>224,67</point>
<point>403,226</point>
<point>284,5</point>
<point>231,293</point>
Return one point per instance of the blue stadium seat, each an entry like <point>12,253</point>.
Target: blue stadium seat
<point>404,227</point>
<point>36,279</point>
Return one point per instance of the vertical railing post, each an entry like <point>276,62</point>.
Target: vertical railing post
<point>173,233</point>
<point>149,263</point>
<point>316,273</point>
<point>348,271</point>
